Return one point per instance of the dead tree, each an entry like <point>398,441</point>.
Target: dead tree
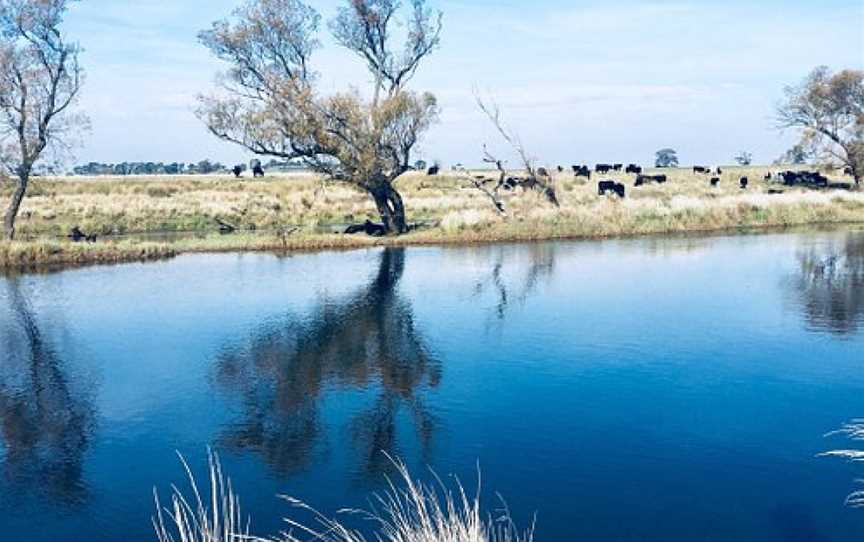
<point>533,179</point>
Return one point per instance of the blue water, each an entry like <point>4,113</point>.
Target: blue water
<point>654,389</point>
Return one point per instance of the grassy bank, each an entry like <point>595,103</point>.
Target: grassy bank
<point>20,255</point>
<point>457,213</point>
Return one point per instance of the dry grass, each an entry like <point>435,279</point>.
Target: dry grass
<point>854,431</point>
<point>458,213</point>
<point>47,253</point>
<point>118,205</point>
<point>408,512</point>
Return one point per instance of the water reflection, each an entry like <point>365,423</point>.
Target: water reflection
<point>45,419</point>
<point>830,285</point>
<point>367,341</point>
<point>514,293</point>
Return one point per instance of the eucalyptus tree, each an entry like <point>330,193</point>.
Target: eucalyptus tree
<point>666,158</point>
<point>272,105</point>
<point>828,109</point>
<point>40,79</point>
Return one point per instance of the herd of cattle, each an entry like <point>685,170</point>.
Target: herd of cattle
<point>807,179</point>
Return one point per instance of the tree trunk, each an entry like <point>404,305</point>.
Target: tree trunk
<point>14,206</point>
<point>390,208</point>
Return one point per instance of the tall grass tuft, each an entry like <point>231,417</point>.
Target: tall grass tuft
<point>218,519</point>
<point>853,430</point>
<point>409,511</point>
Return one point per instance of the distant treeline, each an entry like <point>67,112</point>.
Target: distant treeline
<point>203,167</point>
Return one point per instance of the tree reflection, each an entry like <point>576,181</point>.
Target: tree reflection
<point>830,286</point>
<point>368,341</point>
<point>45,422</point>
<point>541,266</point>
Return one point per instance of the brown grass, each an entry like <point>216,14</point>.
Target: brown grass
<point>21,255</point>
<point>455,212</point>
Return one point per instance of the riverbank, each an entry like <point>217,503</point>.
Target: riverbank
<point>47,254</point>
<point>301,209</point>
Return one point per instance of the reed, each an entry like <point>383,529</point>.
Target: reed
<point>853,431</point>
<point>409,511</point>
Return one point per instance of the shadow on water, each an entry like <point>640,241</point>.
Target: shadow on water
<point>46,421</point>
<point>366,342</point>
<point>829,286</point>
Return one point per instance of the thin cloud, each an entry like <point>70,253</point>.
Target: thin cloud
<point>702,76</point>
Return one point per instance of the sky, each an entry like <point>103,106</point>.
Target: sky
<point>579,81</point>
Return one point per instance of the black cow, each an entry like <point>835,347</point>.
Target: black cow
<point>238,170</point>
<point>715,181</point>
<point>560,169</point>
<point>603,168</point>
<point>434,170</point>
<point>76,236</point>
<point>633,168</point>
<point>618,167</point>
<point>804,178</point>
<point>582,171</point>
<point>744,181</point>
<point>368,227</point>
<point>769,176</point>
<point>257,171</point>
<point>511,182</point>
<point>645,179</point>
<point>701,169</point>
<point>611,186</point>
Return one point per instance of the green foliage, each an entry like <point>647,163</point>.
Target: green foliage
<point>666,158</point>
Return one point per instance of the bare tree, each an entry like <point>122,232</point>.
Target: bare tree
<point>829,110</point>
<point>363,26</point>
<point>744,158</point>
<point>272,105</point>
<point>536,179</point>
<point>40,79</point>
